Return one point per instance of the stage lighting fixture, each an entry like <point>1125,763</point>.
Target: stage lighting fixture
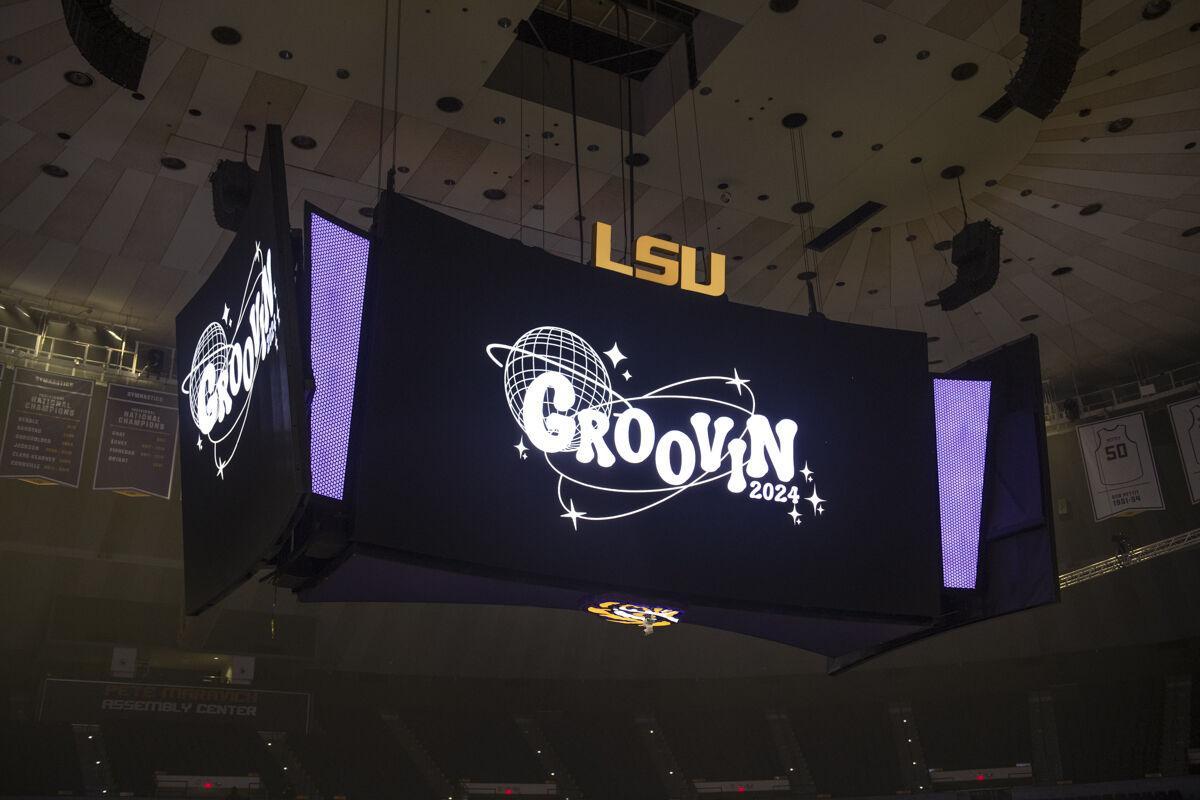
<point>114,334</point>
<point>975,251</point>
<point>115,50</point>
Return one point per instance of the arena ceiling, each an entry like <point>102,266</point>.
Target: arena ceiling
<point>126,239</point>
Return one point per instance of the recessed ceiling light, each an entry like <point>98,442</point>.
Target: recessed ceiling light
<point>964,71</point>
<point>172,162</point>
<point>498,120</point>
<point>782,6</point>
<point>1085,112</point>
<point>1112,72</point>
<point>195,112</point>
<point>1090,208</point>
<point>1191,231</point>
<point>872,291</point>
<point>504,22</point>
<point>250,127</point>
<point>449,104</point>
<point>1029,318</point>
<point>304,142</point>
<point>953,171</point>
<point>449,181</point>
<point>837,134</point>
<point>915,160</point>
<point>802,207</point>
<point>592,148</point>
<point>15,60</point>
<point>138,96</point>
<point>547,134</point>
<point>839,283</point>
<point>54,171</point>
<point>722,185</point>
<point>401,169</point>
<point>1155,9</point>
<point>876,229</point>
<point>943,245</point>
<point>1189,146</point>
<point>579,217</point>
<point>63,135</point>
<point>1058,273</point>
<point>77,78</point>
<point>922,55</point>
<point>1006,261</point>
<point>793,120</point>
<point>877,147</point>
<point>494,194</point>
<point>764,197</point>
<point>342,74</point>
<point>932,339</point>
<point>990,182</point>
<point>367,211</point>
<point>937,301</point>
<point>879,38</point>
<point>286,55</point>
<point>637,159</point>
<point>807,276</point>
<point>223,34</point>
<point>538,207</point>
<point>912,237</point>
<point>936,360</point>
<point>1026,192</point>
<point>705,90</point>
<point>1119,125</point>
<point>772,267</point>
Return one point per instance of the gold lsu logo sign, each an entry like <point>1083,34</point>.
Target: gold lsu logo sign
<point>634,614</point>
<point>660,261</point>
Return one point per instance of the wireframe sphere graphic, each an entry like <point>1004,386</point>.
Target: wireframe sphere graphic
<point>212,348</point>
<point>547,349</point>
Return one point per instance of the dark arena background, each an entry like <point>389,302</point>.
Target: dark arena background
<point>600,399</point>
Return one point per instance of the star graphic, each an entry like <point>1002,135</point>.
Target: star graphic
<point>807,473</point>
<point>626,375</point>
<point>615,354</point>
<point>737,381</point>
<point>815,500</point>
<point>221,469</point>
<point>795,515</point>
<point>521,448</point>
<point>199,443</point>
<point>574,515</point>
<point>225,314</point>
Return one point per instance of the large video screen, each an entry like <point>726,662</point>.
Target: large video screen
<point>524,416</point>
<point>243,468</point>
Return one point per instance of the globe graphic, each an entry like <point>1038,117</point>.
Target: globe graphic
<point>550,349</point>
<point>212,348</point>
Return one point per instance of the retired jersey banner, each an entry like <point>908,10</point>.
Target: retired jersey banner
<point>1122,478</point>
<point>65,700</point>
<point>137,442</point>
<point>1185,421</point>
<point>47,421</point>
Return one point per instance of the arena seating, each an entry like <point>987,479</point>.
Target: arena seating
<point>849,748</point>
<point>353,754</point>
<point>722,745</point>
<point>38,759</point>
<point>604,755</point>
<point>480,747</point>
<point>136,750</point>
<point>952,737</point>
<point>1109,732</point>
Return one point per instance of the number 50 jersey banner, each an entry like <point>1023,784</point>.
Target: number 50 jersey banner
<point>1120,468</point>
<point>527,417</point>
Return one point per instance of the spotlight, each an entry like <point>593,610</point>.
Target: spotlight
<point>113,334</point>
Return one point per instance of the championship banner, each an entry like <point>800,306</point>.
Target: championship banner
<point>47,422</point>
<point>1185,421</point>
<point>66,700</point>
<point>136,456</point>
<point>1119,462</point>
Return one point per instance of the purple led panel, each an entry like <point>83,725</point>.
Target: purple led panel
<point>338,260</point>
<point>960,410</point>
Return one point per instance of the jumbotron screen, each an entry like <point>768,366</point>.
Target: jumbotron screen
<point>531,418</point>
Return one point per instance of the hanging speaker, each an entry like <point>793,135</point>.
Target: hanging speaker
<point>232,183</point>
<point>1052,50</point>
<point>114,49</point>
<point>976,254</point>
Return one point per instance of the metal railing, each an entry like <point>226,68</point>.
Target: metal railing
<point>88,359</point>
<point>1124,395</point>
